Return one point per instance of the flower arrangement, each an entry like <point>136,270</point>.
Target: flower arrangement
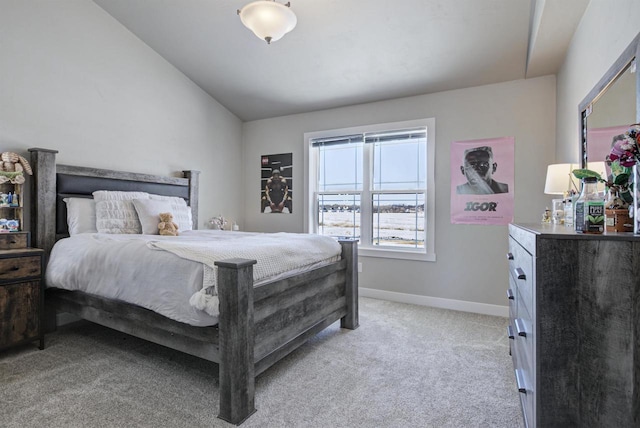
<point>625,152</point>
<point>625,148</point>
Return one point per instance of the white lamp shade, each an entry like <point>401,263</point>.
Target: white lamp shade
<point>560,179</point>
<point>269,20</point>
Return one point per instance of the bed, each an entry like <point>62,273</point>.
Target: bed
<point>257,324</point>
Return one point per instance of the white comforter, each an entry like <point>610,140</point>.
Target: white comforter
<point>170,275</point>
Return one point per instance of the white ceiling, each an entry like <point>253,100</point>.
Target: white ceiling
<point>346,52</point>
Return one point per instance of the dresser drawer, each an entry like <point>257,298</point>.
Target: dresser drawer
<point>512,314</point>
<point>521,270</point>
<point>526,397</point>
<point>13,240</point>
<point>17,268</point>
<point>524,337</point>
<point>512,298</point>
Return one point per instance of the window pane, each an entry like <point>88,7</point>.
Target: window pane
<point>400,165</point>
<point>340,167</point>
<point>398,220</point>
<point>339,215</point>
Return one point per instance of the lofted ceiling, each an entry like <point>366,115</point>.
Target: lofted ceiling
<point>346,52</point>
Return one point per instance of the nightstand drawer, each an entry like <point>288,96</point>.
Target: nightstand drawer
<point>21,296</point>
<point>13,240</point>
<point>20,313</point>
<point>16,268</point>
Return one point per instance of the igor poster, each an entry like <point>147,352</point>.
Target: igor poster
<point>482,181</point>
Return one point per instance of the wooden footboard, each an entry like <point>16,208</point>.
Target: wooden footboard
<point>260,325</point>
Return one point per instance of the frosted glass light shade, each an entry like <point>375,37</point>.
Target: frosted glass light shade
<point>269,20</point>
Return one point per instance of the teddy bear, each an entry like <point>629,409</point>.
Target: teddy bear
<point>13,162</point>
<point>166,225</point>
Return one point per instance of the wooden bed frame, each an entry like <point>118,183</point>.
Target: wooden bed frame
<point>257,326</point>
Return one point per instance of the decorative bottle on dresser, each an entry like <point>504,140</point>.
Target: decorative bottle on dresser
<point>589,208</point>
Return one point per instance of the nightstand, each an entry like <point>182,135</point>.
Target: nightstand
<point>21,291</point>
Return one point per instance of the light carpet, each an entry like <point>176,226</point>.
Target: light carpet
<point>406,366</point>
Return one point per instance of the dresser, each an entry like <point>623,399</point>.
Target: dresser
<point>21,291</point>
<point>574,329</point>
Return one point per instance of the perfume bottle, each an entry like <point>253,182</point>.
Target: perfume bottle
<point>568,209</point>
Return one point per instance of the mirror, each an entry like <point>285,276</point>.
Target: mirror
<point>611,106</point>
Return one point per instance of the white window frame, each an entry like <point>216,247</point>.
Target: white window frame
<point>310,203</point>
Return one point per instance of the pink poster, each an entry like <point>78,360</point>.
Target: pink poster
<point>599,141</point>
<point>482,181</point>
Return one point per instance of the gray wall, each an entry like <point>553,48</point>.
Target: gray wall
<point>606,29</point>
<point>471,263</point>
<point>74,79</point>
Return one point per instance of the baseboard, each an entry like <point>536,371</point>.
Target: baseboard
<point>436,302</point>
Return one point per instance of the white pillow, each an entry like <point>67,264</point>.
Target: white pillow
<point>148,212</point>
<point>173,199</point>
<point>117,217</point>
<point>81,215</point>
<point>116,195</point>
<point>181,212</point>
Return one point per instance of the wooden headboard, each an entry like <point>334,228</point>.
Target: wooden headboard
<point>52,183</point>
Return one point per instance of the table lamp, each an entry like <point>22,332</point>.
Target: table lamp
<point>560,181</point>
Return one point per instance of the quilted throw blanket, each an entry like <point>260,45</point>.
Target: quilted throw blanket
<point>276,254</point>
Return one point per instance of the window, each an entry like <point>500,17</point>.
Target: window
<point>375,184</point>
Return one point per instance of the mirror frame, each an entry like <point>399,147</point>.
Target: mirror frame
<point>631,53</point>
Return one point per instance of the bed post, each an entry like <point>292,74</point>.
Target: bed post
<point>43,199</point>
<point>194,184</point>
<point>350,254</point>
<point>236,339</point>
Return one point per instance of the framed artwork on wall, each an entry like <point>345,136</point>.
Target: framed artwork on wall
<point>276,183</point>
<point>482,181</point>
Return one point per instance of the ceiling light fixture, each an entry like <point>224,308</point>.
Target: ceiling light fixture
<point>268,19</point>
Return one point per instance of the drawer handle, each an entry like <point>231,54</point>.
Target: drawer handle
<point>510,294</point>
<point>510,332</point>
<point>520,381</point>
<point>509,256</point>
<point>520,327</point>
<point>520,273</point>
